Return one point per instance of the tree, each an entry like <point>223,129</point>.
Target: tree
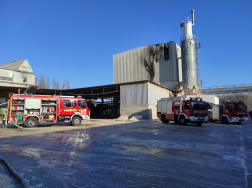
<point>68,85</point>
<point>249,101</point>
<point>245,98</point>
<point>36,80</point>
<point>57,85</point>
<point>42,81</point>
<point>63,85</point>
<point>47,86</point>
<point>54,84</point>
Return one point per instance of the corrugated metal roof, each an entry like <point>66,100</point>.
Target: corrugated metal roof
<point>15,65</point>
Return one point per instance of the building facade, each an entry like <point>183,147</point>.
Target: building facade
<point>160,63</point>
<point>17,74</point>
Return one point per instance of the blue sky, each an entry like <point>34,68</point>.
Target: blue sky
<point>75,40</point>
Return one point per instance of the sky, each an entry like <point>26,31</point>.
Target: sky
<point>75,40</point>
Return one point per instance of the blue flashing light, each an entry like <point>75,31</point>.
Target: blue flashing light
<point>239,100</point>
<point>190,98</point>
<point>200,99</point>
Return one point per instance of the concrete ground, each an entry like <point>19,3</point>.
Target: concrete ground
<point>107,153</point>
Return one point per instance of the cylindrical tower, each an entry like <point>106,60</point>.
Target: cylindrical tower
<point>189,56</point>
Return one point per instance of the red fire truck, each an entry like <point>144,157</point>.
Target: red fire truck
<point>229,112</point>
<point>182,110</point>
<point>32,109</point>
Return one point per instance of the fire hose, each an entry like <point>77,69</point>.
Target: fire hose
<point>14,172</point>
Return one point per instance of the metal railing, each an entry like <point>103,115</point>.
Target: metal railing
<point>238,88</point>
<point>187,19</point>
<point>187,37</point>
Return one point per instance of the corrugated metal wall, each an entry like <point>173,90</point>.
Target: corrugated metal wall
<point>155,93</point>
<point>157,63</point>
<point>179,63</point>
<point>143,93</point>
<point>134,94</point>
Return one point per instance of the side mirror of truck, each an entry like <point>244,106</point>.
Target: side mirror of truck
<point>208,106</point>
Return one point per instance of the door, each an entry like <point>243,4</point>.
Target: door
<point>82,107</point>
<point>175,107</point>
<point>67,107</point>
<point>228,109</point>
<point>186,108</point>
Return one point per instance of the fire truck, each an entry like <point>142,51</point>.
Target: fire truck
<point>182,110</point>
<point>32,109</point>
<point>229,112</point>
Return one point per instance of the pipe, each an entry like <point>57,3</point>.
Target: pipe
<point>192,11</point>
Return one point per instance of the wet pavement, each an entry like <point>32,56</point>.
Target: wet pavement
<point>121,154</point>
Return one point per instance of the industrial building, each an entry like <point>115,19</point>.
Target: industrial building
<point>17,74</point>
<point>160,63</point>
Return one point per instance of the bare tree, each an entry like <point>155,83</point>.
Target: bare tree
<point>57,85</point>
<point>54,84</point>
<point>245,98</point>
<point>63,85</point>
<point>42,82</point>
<point>68,85</point>
<point>249,101</point>
<point>36,80</point>
<point>47,86</point>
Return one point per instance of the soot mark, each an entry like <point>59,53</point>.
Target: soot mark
<point>156,55</point>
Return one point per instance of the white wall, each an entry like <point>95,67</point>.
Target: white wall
<point>141,99</point>
<point>17,78</point>
<point>155,93</point>
<point>208,98</point>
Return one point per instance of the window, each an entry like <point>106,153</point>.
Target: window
<point>186,105</point>
<point>67,103</point>
<point>176,105</point>
<point>5,78</point>
<point>228,106</point>
<point>82,103</point>
<point>74,103</point>
<point>239,106</point>
<point>199,106</point>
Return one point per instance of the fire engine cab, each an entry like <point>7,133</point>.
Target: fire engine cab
<point>229,112</point>
<point>32,109</point>
<point>182,110</point>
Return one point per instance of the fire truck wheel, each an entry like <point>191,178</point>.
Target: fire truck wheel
<point>224,120</point>
<point>199,123</point>
<point>31,122</point>
<point>76,121</point>
<point>164,120</point>
<point>182,120</point>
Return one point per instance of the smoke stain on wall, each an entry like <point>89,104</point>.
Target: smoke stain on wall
<point>155,54</point>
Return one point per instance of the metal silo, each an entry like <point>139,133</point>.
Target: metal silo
<point>189,56</point>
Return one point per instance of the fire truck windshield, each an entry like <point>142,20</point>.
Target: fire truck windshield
<point>239,106</point>
<point>199,106</point>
